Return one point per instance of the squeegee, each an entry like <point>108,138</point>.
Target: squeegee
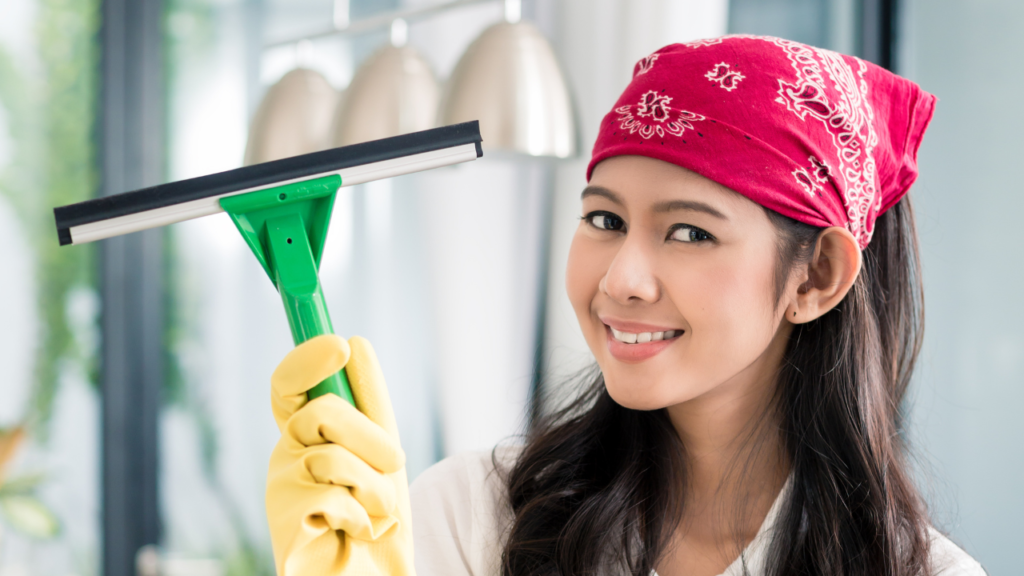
<point>281,208</point>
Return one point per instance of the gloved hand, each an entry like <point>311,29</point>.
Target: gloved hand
<point>337,492</point>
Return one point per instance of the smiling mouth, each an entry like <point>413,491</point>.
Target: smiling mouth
<point>644,337</point>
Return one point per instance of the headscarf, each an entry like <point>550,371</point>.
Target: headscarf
<point>824,138</point>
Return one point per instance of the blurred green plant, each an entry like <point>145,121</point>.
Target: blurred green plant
<point>51,123</point>
<point>19,506</point>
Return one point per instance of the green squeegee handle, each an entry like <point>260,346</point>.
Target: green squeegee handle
<point>299,284</point>
<point>286,227</point>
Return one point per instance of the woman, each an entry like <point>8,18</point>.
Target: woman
<point>745,273</point>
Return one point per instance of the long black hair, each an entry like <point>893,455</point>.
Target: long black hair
<point>599,485</point>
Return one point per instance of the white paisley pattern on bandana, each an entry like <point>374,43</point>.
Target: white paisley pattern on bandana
<point>850,121</point>
<point>708,41</point>
<point>725,77</point>
<point>813,179</point>
<point>654,116</point>
<point>645,64</point>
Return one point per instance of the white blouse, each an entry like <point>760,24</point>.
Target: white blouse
<point>461,517</point>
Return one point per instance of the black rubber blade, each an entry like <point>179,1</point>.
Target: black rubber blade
<point>266,174</point>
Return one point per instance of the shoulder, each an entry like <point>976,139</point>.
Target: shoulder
<point>948,559</point>
<point>460,513</point>
<point>468,480</point>
<point>476,468</point>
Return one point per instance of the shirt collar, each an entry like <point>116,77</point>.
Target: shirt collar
<point>755,555</point>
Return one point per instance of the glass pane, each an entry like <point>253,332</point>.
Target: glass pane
<point>968,397</point>
<point>49,409</point>
<point>824,23</point>
<point>216,429</point>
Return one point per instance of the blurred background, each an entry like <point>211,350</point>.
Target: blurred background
<point>134,373</point>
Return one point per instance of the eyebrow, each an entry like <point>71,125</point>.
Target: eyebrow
<point>689,205</point>
<point>661,207</point>
<point>602,192</point>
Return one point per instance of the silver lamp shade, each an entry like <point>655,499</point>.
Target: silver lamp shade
<point>510,80</point>
<point>394,92</point>
<point>293,118</point>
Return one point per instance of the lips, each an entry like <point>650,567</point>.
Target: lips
<point>632,347</point>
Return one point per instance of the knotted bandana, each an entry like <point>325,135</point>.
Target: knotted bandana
<point>826,139</point>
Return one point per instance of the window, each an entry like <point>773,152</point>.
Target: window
<point>49,486</point>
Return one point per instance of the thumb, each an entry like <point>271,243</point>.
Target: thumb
<point>368,387</point>
<point>304,367</point>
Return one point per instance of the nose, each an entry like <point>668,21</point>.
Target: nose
<point>630,278</point>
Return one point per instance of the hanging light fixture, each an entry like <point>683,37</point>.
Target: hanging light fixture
<point>394,92</point>
<point>510,80</point>
<point>292,119</point>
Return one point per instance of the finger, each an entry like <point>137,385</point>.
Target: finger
<point>331,419</point>
<point>310,363</point>
<point>294,497</point>
<point>332,464</point>
<point>304,367</point>
<point>368,387</point>
<point>322,507</point>
<point>346,514</point>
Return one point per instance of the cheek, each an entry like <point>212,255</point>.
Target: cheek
<point>583,273</point>
<point>729,307</point>
<point>732,293</point>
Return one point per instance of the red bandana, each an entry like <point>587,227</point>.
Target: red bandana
<point>826,139</point>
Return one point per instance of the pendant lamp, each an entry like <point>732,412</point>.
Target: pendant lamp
<point>510,80</point>
<point>293,118</point>
<point>394,92</point>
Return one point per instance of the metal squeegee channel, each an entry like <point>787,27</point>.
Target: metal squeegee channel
<point>149,208</point>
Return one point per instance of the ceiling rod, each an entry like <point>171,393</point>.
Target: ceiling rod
<point>344,27</point>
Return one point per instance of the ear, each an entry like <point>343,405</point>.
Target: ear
<point>829,276</point>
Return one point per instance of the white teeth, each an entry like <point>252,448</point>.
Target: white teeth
<point>631,338</point>
<point>626,337</point>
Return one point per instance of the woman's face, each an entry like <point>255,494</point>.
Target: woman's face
<point>671,278</point>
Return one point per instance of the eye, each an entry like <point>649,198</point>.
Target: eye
<point>687,233</point>
<point>604,221</point>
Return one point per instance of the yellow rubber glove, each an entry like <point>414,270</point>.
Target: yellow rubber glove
<point>337,492</point>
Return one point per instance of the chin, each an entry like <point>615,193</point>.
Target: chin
<point>651,397</point>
